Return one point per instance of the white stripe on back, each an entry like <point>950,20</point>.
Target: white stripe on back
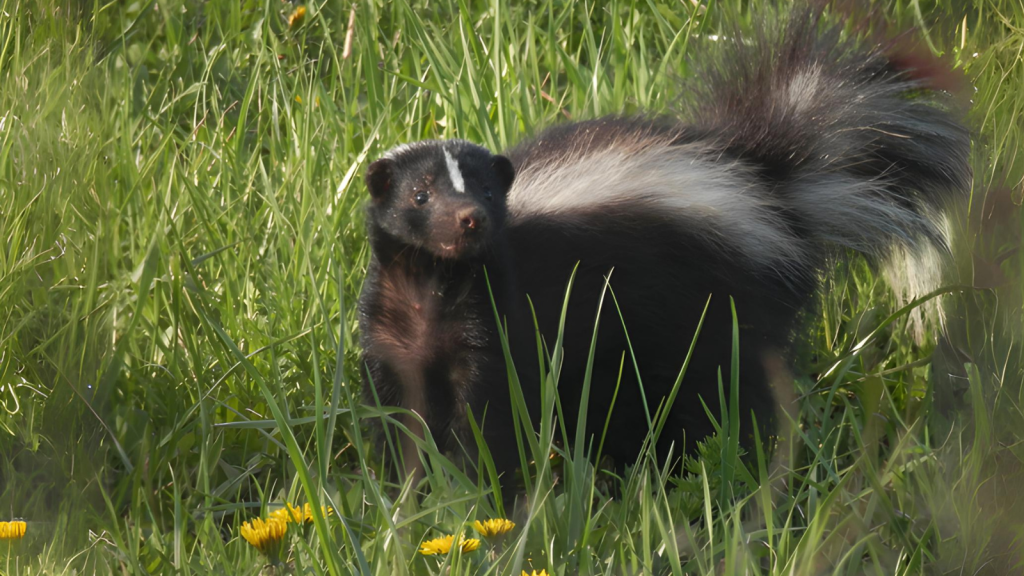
<point>721,199</point>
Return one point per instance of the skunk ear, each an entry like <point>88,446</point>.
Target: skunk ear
<point>504,171</point>
<point>378,178</point>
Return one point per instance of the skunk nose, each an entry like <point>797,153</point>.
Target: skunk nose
<point>471,219</point>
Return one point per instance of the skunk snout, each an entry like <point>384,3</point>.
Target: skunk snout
<point>471,220</point>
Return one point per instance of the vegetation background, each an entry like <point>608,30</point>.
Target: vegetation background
<point>180,211</point>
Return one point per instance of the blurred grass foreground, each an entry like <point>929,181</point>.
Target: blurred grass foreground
<point>180,211</point>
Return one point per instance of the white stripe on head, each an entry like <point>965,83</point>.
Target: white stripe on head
<point>453,172</point>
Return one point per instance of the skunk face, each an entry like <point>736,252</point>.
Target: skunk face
<point>445,197</point>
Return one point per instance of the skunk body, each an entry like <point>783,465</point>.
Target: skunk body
<point>436,221</point>
<point>796,146</point>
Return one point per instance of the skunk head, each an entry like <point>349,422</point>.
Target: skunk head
<point>445,197</point>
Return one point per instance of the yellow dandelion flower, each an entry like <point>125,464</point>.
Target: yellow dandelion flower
<point>469,544</point>
<point>535,573</point>
<point>14,530</point>
<point>296,17</point>
<point>316,100</point>
<point>494,527</point>
<point>265,535</point>
<point>437,546</point>
<point>443,545</point>
<point>307,512</point>
<point>289,513</point>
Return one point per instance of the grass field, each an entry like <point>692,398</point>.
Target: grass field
<point>180,209</point>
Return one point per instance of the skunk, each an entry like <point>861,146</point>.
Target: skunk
<point>794,148</point>
<point>436,220</point>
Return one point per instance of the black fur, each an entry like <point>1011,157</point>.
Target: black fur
<point>835,145</point>
<point>425,316</point>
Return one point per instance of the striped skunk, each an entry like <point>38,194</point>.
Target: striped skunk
<point>796,146</point>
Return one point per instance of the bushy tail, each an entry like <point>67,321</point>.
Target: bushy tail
<point>857,144</point>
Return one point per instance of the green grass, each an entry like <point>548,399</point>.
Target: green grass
<point>180,209</point>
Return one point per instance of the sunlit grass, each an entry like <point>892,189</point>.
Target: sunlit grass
<point>180,207</point>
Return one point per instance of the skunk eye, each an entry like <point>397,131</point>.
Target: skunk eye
<point>487,194</point>
<point>421,198</point>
